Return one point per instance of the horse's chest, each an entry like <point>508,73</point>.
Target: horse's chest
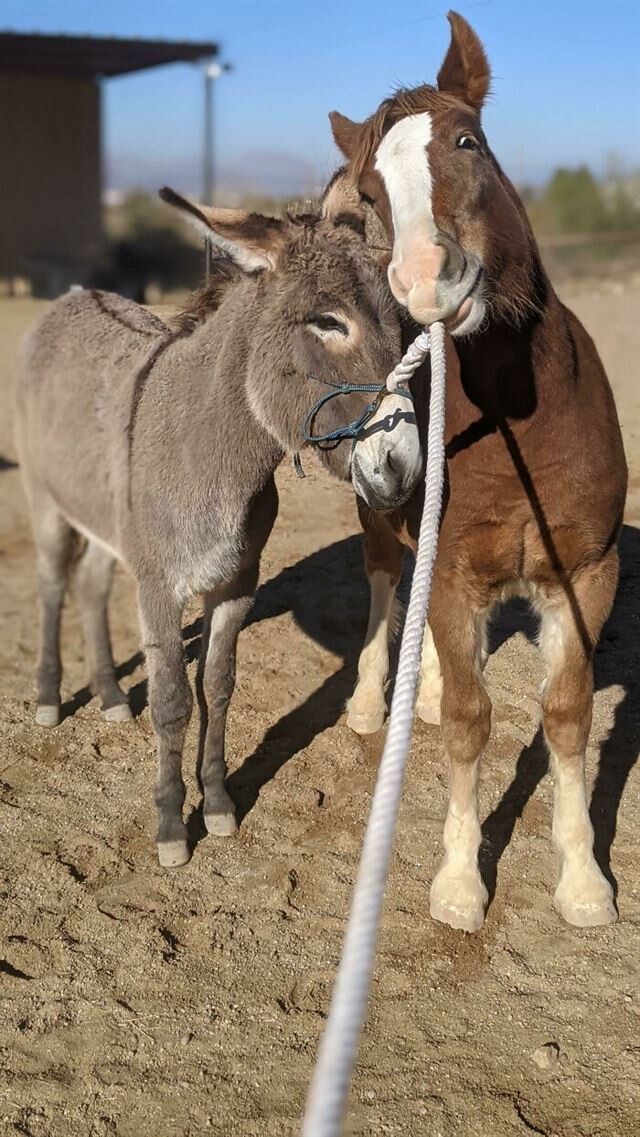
<point>519,523</point>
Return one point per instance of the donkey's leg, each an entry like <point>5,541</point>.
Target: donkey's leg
<point>458,894</point>
<point>170,702</point>
<point>93,577</point>
<point>54,539</point>
<point>224,617</point>
<point>583,896</point>
<point>430,693</point>
<point>383,561</point>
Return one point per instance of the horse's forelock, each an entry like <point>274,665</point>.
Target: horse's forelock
<point>404,102</point>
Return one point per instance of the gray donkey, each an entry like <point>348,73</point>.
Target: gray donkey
<point>158,445</point>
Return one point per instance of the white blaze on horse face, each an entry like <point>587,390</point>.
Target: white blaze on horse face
<point>403,164</point>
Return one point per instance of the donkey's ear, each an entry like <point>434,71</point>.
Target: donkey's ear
<point>465,71</point>
<point>341,202</point>
<point>346,133</point>
<point>251,240</point>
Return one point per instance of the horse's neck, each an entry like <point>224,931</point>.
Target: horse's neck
<point>513,372</point>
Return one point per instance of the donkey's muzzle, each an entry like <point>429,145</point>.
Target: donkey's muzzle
<point>386,464</point>
<point>382,489</point>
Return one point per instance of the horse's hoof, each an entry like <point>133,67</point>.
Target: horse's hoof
<point>463,919</point>
<point>47,715</point>
<point>121,712</point>
<point>173,854</point>
<point>365,723</point>
<point>221,824</point>
<point>584,898</point>
<point>458,901</point>
<point>594,915</point>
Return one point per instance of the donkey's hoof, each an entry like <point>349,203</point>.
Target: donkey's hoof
<point>121,712</point>
<point>221,824</point>
<point>365,722</point>
<point>172,854</point>
<point>47,715</point>
<point>428,710</point>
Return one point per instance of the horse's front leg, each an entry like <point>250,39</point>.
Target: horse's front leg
<point>224,615</point>
<point>383,562</point>
<point>458,894</point>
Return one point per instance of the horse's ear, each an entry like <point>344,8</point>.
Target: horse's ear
<point>250,239</point>
<point>341,202</point>
<point>465,71</point>
<point>346,133</point>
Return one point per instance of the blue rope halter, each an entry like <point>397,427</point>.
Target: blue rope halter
<point>352,429</point>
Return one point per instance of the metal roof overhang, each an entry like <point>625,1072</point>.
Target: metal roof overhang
<point>88,57</point>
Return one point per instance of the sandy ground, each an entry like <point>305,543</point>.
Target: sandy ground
<point>145,1003</point>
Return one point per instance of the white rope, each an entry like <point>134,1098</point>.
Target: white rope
<point>327,1101</point>
<point>411,360</point>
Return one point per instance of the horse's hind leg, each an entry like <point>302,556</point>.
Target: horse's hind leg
<point>93,577</point>
<point>569,632</point>
<point>383,561</point>
<point>223,618</point>
<point>54,540</point>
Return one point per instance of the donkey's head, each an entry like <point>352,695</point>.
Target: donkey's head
<point>321,317</point>
<point>461,240</point>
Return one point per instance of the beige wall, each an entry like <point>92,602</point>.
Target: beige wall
<point>49,170</point>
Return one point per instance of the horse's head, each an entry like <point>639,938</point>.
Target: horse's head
<point>461,240</point>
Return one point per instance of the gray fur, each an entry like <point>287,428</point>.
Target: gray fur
<point>159,444</point>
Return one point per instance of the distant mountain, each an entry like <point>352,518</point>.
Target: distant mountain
<point>260,173</point>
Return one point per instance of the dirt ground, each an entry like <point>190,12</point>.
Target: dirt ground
<point>145,1003</point>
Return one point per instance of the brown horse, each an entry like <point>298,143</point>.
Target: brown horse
<point>535,464</point>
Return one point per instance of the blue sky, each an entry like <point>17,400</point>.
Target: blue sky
<point>566,80</point>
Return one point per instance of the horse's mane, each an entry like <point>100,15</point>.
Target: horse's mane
<point>405,101</point>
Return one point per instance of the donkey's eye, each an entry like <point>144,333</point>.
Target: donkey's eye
<point>325,322</point>
<point>467,142</point>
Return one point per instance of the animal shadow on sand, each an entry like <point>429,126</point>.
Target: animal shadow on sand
<point>328,595</point>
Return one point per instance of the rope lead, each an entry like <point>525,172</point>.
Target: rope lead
<point>327,1101</point>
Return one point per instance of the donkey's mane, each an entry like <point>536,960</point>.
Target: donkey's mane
<point>224,275</point>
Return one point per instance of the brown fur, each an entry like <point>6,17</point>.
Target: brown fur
<point>536,486</point>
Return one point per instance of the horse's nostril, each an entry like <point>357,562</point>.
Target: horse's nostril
<point>453,260</point>
<point>398,286</point>
<point>391,463</point>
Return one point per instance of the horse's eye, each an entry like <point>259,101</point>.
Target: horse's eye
<point>366,198</point>
<point>325,322</point>
<point>467,142</point>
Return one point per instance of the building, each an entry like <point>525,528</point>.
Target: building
<point>50,147</point>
